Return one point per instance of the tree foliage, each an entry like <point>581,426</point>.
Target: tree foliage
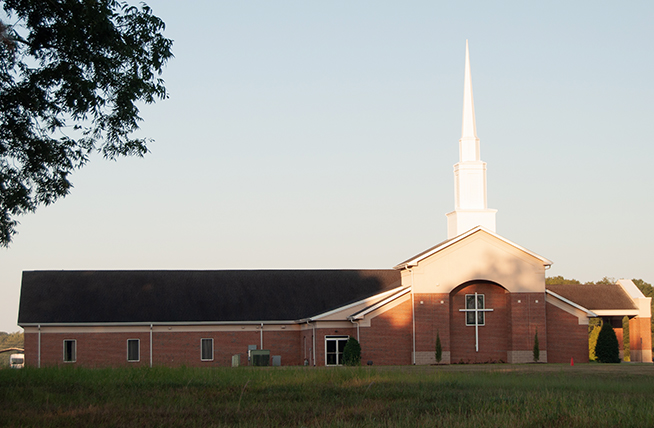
<point>592,339</point>
<point>9,340</point>
<point>72,73</point>
<point>556,280</point>
<point>607,348</point>
<point>352,352</point>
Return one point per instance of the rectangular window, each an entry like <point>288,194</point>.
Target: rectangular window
<point>334,346</point>
<point>471,309</point>
<point>70,351</point>
<point>133,350</point>
<point>206,349</point>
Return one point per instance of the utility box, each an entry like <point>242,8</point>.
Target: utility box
<point>260,357</point>
<point>236,360</point>
<point>250,349</point>
<point>276,360</point>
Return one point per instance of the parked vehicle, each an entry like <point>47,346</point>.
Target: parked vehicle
<point>17,361</point>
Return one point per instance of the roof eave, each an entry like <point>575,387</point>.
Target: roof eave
<point>415,260</point>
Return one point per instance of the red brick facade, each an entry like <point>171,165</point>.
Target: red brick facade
<point>507,335</point>
<point>566,338</point>
<point>640,337</point>
<point>388,341</point>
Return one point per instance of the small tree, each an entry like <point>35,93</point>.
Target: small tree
<point>607,348</point>
<point>536,348</point>
<point>352,352</point>
<point>594,327</point>
<point>439,348</point>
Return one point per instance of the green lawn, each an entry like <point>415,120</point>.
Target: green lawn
<point>532,395</point>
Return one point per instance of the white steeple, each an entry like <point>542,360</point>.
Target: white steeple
<point>470,204</point>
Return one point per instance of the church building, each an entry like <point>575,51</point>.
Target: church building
<point>482,296</point>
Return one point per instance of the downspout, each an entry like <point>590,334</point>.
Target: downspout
<point>413,316</point>
<point>314,344</point>
<point>261,336</point>
<point>150,345</point>
<point>39,357</point>
<point>357,324</point>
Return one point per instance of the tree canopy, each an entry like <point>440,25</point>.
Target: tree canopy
<point>72,73</point>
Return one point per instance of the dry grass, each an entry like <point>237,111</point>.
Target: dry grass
<point>532,395</point>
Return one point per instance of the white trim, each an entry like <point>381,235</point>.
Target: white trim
<point>615,312</point>
<point>74,360</point>
<point>335,338</point>
<point>362,313</point>
<point>157,324</point>
<point>138,350</point>
<point>212,348</point>
<point>357,303</point>
<point>415,260</point>
<point>571,303</point>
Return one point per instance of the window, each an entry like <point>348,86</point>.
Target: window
<point>133,350</point>
<point>70,351</point>
<point>206,349</point>
<point>472,312</point>
<point>334,346</point>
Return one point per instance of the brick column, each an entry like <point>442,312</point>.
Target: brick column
<point>640,339</point>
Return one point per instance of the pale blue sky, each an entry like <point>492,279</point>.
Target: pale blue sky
<point>322,135</point>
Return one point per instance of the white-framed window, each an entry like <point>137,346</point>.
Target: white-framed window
<point>334,346</point>
<point>474,316</point>
<point>70,350</point>
<point>206,349</point>
<point>133,350</point>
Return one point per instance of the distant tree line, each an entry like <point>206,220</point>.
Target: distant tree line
<point>9,340</point>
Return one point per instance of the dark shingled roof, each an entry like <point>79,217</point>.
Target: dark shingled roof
<point>193,296</point>
<point>592,296</point>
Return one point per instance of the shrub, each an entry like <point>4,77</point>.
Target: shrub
<point>592,341</point>
<point>536,348</point>
<point>439,348</point>
<point>607,348</point>
<point>352,352</point>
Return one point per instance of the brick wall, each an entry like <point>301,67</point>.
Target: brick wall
<point>168,348</point>
<point>493,336</point>
<point>527,316</point>
<point>640,339</point>
<point>389,339</point>
<point>92,349</point>
<point>566,338</point>
<point>432,318</point>
<point>320,340</point>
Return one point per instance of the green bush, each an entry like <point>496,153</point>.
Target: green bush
<point>536,348</point>
<point>592,341</point>
<point>607,348</point>
<point>352,352</point>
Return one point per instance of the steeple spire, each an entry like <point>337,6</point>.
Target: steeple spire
<point>469,126</point>
<point>470,207</point>
<point>469,143</point>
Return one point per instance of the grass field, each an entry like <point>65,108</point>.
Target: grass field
<point>533,395</point>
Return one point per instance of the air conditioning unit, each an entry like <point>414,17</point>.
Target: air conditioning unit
<point>260,357</point>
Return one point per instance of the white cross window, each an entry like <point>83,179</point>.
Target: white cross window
<point>475,314</point>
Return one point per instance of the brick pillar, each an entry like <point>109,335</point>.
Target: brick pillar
<point>432,319</point>
<point>619,334</point>
<point>640,339</point>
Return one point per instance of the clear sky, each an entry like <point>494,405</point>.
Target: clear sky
<point>322,135</point>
